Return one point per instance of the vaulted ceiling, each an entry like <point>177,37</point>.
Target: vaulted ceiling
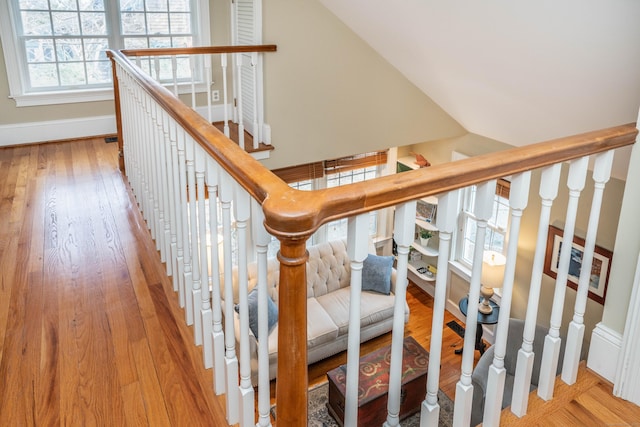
<point>518,72</point>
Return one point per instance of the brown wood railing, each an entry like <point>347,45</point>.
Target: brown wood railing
<point>292,216</point>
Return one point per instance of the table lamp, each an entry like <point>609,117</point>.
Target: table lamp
<point>492,275</point>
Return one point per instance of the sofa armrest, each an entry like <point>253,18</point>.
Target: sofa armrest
<point>479,379</point>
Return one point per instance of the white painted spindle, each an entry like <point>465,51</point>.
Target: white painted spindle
<point>225,93</point>
<point>203,234</point>
<point>404,225</point>
<point>186,244</point>
<point>195,179</point>
<point>262,239</point>
<point>518,197</point>
<point>551,351</point>
<point>239,101</point>
<point>357,245</point>
<point>446,223</point>
<point>464,389</point>
<point>230,360</point>
<point>217,335</point>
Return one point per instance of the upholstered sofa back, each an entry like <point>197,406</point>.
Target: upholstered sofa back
<point>328,269</point>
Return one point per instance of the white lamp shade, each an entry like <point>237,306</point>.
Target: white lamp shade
<point>493,269</point>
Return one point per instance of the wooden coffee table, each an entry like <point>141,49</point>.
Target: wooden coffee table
<point>374,384</point>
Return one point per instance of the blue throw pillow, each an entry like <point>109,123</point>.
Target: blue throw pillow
<point>376,274</point>
<point>252,302</point>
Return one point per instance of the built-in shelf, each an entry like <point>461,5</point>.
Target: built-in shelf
<point>415,265</point>
<point>424,250</point>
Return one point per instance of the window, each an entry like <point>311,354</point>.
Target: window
<point>497,225</point>
<point>58,46</point>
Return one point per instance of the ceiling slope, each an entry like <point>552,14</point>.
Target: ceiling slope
<point>517,72</point>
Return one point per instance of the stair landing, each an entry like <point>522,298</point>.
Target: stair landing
<point>589,402</point>
<point>261,152</point>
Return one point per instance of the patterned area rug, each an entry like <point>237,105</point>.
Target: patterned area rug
<point>319,415</point>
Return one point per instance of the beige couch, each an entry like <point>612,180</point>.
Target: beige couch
<point>328,292</point>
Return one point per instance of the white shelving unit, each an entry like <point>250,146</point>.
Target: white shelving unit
<point>420,266</point>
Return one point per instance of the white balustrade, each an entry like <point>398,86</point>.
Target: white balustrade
<point>205,239</point>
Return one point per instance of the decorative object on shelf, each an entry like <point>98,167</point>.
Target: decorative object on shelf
<point>426,211</point>
<point>492,274</point>
<point>425,235</point>
<point>600,266</point>
<point>414,255</point>
<point>420,160</point>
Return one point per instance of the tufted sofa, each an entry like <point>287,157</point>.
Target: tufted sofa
<point>328,292</point>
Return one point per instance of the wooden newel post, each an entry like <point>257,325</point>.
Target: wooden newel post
<point>116,98</point>
<point>292,380</point>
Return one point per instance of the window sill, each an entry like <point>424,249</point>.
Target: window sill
<point>63,97</point>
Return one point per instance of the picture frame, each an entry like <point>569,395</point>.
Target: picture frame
<point>426,211</point>
<point>599,270</point>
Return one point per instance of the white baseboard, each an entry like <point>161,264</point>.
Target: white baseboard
<point>53,130</point>
<point>604,350</point>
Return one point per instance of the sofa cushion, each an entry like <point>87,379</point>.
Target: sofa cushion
<point>320,327</point>
<point>328,268</point>
<point>374,308</point>
<point>376,273</point>
<point>252,302</point>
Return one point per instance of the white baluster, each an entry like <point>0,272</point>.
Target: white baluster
<point>601,175</point>
<point>464,389</point>
<point>550,178</point>
<point>192,63</point>
<point>262,239</point>
<point>257,134</point>
<point>225,93</point>
<point>158,179</point>
<point>357,245</point>
<point>174,188</point>
<point>403,229</point>
<point>179,195</point>
<point>174,74</point>
<point>552,342</point>
<point>518,198</point>
<point>231,361</point>
<point>242,209</point>
<point>239,101</point>
<point>217,335</point>
<point>205,305</point>
<point>186,244</point>
<point>446,223</point>
<point>207,72</point>
<point>195,179</point>
<point>164,148</point>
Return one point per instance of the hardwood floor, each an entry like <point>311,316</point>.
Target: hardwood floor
<point>90,329</point>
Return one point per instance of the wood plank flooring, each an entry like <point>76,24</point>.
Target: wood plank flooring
<point>90,329</point>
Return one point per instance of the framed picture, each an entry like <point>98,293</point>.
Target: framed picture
<point>426,211</point>
<point>599,269</point>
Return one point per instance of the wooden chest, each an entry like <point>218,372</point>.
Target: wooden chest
<point>374,384</point>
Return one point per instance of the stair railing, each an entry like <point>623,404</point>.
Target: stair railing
<point>212,208</point>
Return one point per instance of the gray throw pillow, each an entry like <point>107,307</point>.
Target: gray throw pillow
<point>376,274</point>
<point>252,302</point>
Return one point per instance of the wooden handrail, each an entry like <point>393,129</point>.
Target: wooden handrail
<point>293,215</point>
<point>200,50</point>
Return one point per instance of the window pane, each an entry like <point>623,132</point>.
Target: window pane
<point>131,5</point>
<point>182,42</point>
<point>98,72</point>
<point>65,23</point>
<point>159,42</point>
<point>93,24</point>
<point>91,4</point>
<point>33,4</point>
<point>135,43</point>
<point>179,6</point>
<point>158,23</point>
<point>36,23</point>
<point>180,23</point>
<point>95,49</point>
<point>72,74</point>
<point>39,50</point>
<point>43,75</point>
<point>63,5</point>
<point>69,50</point>
<point>157,5</point>
<point>133,23</point>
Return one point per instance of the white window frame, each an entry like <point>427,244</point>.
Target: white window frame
<point>16,76</point>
